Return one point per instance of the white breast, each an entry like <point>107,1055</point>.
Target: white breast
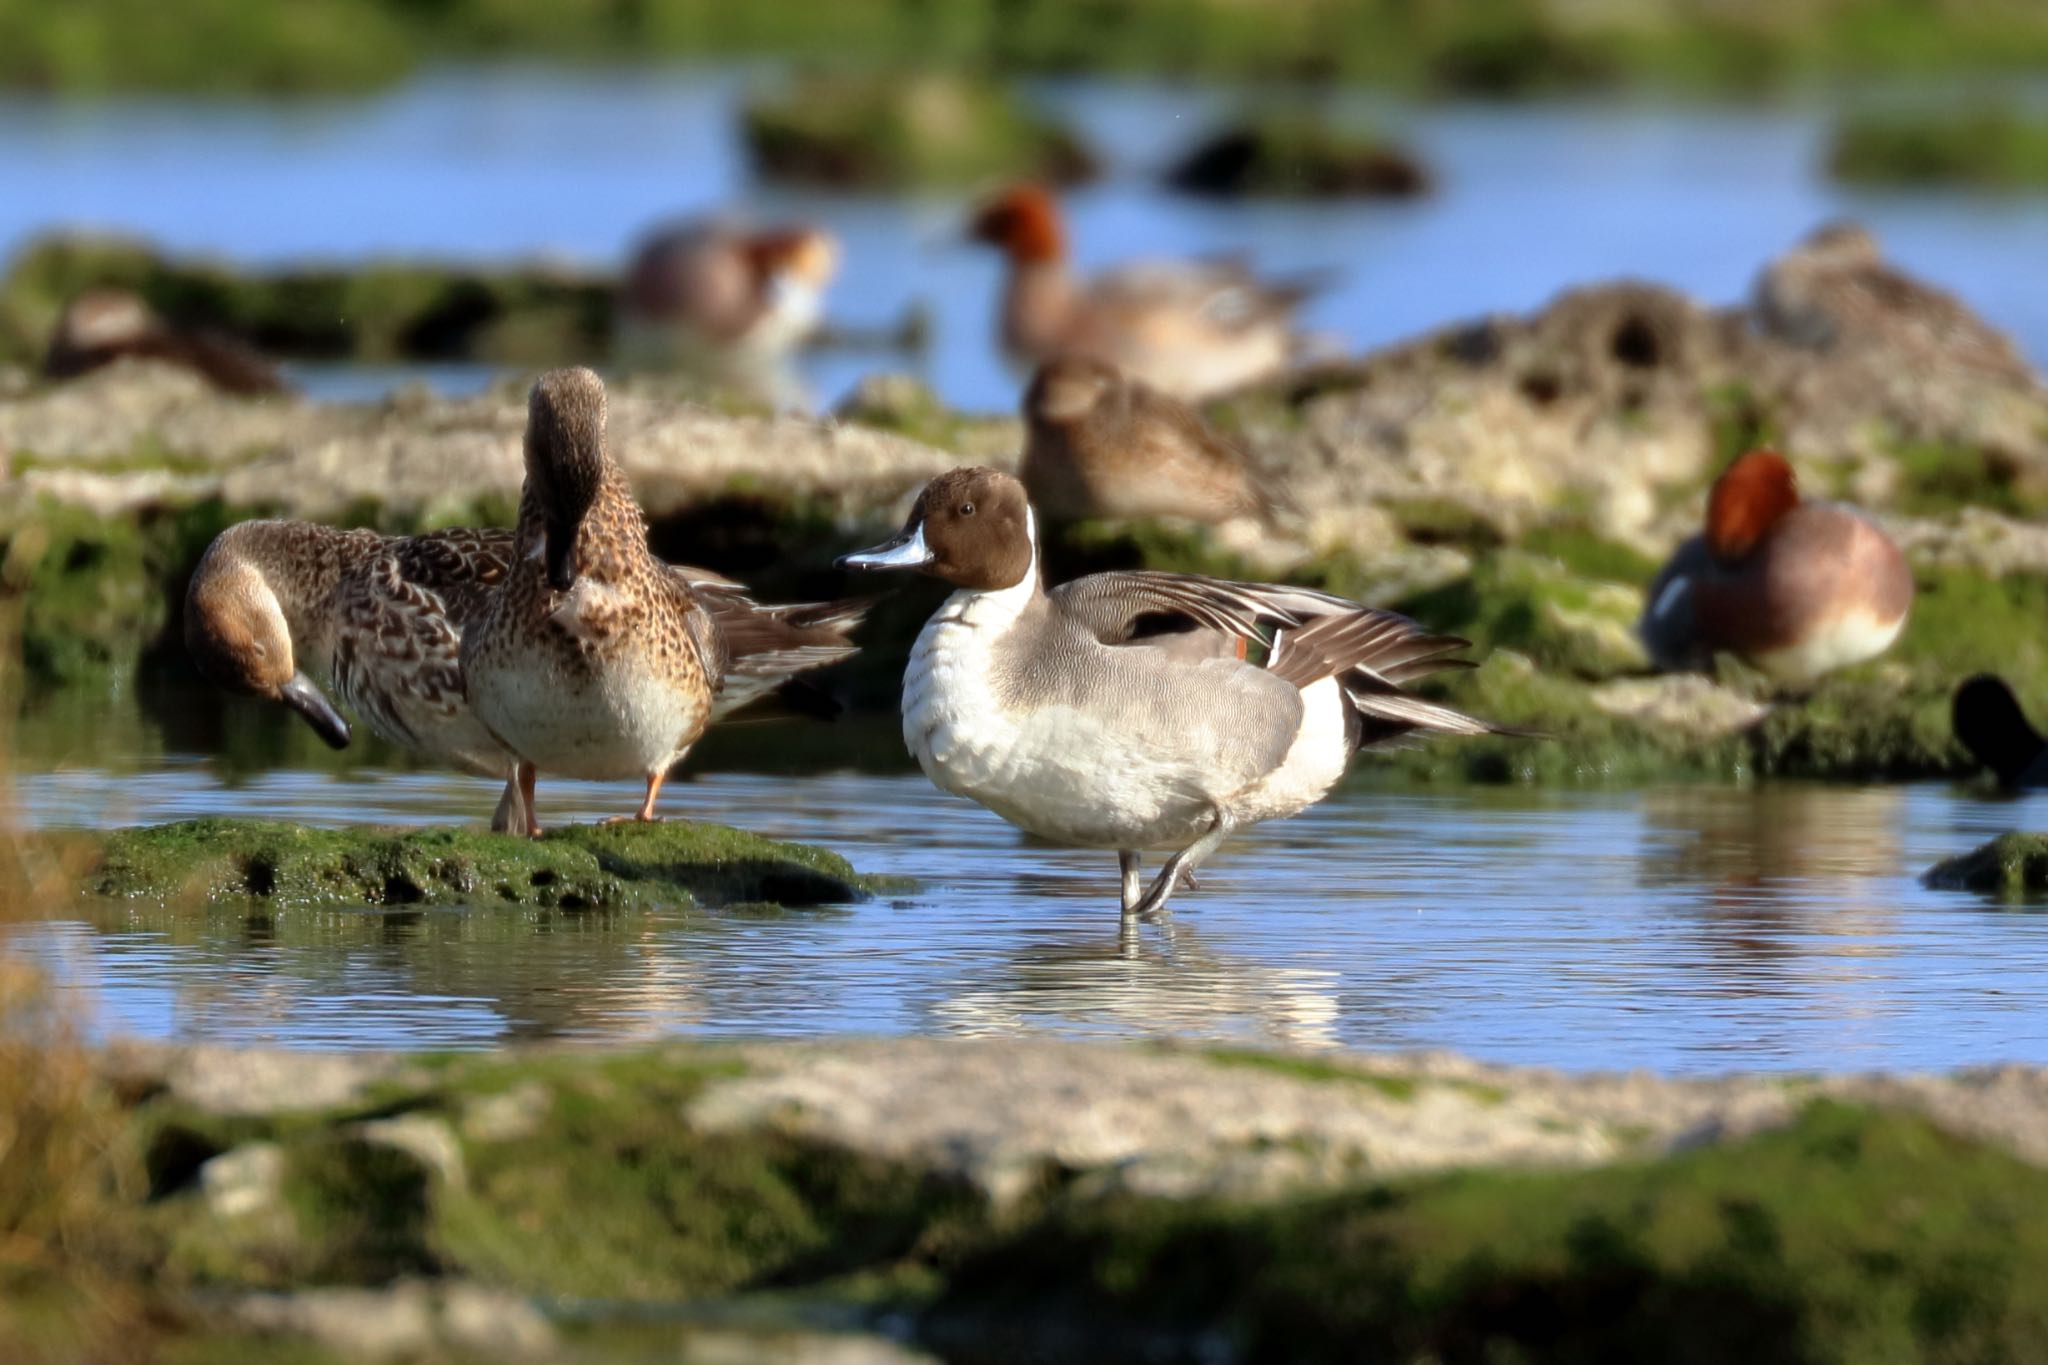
<point>1849,639</point>
<point>1060,772</point>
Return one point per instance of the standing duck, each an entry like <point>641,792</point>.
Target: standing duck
<point>701,289</point>
<point>1191,328</point>
<point>593,660</point>
<point>1101,444</point>
<point>1061,711</point>
<point>103,325</point>
<point>281,609</point>
<point>1796,589</point>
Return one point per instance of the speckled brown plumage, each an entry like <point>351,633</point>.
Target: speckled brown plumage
<point>380,619</point>
<point>1836,291</point>
<point>593,660</point>
<point>1099,443</point>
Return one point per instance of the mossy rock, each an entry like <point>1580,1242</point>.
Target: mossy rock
<point>2012,865</point>
<point>629,866</point>
<point>531,315</point>
<point>1988,147</point>
<point>1294,156</point>
<point>864,132</point>
<point>1795,1245</point>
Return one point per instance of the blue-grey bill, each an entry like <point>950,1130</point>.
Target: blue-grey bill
<point>306,699</point>
<point>907,551</point>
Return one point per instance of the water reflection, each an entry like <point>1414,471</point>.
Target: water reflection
<point>1682,929</point>
<point>1144,982</point>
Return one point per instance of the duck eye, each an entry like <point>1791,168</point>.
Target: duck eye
<point>966,509</point>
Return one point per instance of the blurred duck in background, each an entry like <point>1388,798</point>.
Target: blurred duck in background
<point>710,294</point>
<point>1990,724</point>
<point>101,326</point>
<point>281,609</point>
<point>1101,444</point>
<point>1795,589</point>
<point>1834,291</point>
<point>1190,328</point>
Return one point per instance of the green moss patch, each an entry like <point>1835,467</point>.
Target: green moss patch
<point>2012,865</point>
<point>603,867</point>
<point>95,591</point>
<point>1849,1236</point>
<point>531,315</point>
<point>1995,147</point>
<point>883,133</point>
<point>578,1177</point>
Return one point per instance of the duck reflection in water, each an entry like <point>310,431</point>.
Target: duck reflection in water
<point>1774,867</point>
<point>1112,983</point>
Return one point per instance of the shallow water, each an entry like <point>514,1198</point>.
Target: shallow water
<point>1685,929</point>
<point>500,163</point>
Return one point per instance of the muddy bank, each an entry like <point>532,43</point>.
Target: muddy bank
<point>1001,1201</point>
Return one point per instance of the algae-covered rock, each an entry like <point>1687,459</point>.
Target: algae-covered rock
<point>538,313</point>
<point>980,1190</point>
<point>1989,147</point>
<point>603,867</point>
<point>2010,865</point>
<point>891,132</point>
<point>1299,157</point>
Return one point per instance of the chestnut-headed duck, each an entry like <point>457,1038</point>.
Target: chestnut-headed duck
<point>1190,328</point>
<point>1065,712</point>
<point>1796,589</point>
<point>698,288</point>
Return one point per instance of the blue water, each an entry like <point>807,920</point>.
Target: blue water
<point>503,163</point>
<point>1687,929</point>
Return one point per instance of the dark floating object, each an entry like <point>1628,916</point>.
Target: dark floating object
<point>1990,724</point>
<point>1299,158</point>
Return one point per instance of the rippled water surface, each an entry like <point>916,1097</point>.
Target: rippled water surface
<point>512,162</point>
<point>1689,929</point>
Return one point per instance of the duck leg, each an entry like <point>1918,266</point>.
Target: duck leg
<point>508,811</point>
<point>1134,880</point>
<point>1181,864</point>
<point>525,774</point>
<point>645,815</point>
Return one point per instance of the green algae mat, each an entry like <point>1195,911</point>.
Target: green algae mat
<point>607,867</point>
<point>1845,1232</point>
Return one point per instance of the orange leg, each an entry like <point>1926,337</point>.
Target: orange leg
<point>645,815</point>
<point>526,774</point>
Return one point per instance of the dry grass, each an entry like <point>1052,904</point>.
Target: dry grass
<point>60,1162</point>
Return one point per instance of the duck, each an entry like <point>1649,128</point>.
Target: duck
<point>1191,328</point>
<point>1990,724</point>
<point>102,325</point>
<point>1099,443</point>
<point>591,660</point>
<point>701,287</point>
<point>291,610</point>
<point>1139,710</point>
<point>1835,290</point>
<point>1795,589</point>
